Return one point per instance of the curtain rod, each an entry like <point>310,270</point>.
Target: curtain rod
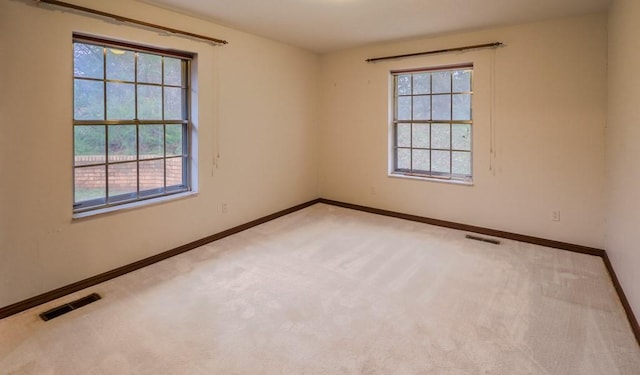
<point>457,49</point>
<point>131,20</point>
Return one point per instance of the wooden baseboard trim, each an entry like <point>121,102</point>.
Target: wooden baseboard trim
<point>512,236</point>
<point>633,321</point>
<point>471,228</point>
<point>86,283</point>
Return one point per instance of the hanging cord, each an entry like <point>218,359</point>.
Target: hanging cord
<point>216,116</point>
<point>492,126</point>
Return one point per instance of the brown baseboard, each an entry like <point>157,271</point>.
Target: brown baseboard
<point>86,283</point>
<point>512,236</point>
<point>471,228</point>
<point>635,327</point>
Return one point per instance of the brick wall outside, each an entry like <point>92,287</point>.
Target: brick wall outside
<point>123,176</point>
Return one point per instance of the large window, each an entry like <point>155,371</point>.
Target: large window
<point>432,123</point>
<point>131,123</point>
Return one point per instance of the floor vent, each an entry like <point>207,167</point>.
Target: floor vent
<point>61,310</point>
<point>478,238</point>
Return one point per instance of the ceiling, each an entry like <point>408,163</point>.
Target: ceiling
<point>330,25</point>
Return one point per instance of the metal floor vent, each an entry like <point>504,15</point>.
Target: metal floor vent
<point>61,310</point>
<point>483,239</point>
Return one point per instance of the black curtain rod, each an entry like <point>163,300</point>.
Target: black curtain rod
<point>457,49</point>
<point>131,20</point>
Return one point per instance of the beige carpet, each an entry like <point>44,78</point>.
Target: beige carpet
<point>328,290</point>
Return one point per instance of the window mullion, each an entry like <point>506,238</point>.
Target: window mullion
<point>137,121</point>
<point>451,127</point>
<point>106,127</point>
<point>431,124</point>
<point>164,124</point>
<point>411,129</point>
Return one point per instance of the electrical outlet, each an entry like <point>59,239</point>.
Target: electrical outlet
<point>555,215</point>
<point>225,208</point>
<point>373,190</point>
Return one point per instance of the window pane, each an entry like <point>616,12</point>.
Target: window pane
<point>175,169</point>
<point>403,84</point>
<point>441,161</point>
<point>121,101</point>
<point>88,100</point>
<point>422,107</point>
<point>461,137</point>
<point>151,141</point>
<point>175,141</point>
<point>172,71</point>
<point>152,176</point>
<point>89,183</point>
<point>421,83</point>
<point>441,107</point>
<point>123,181</point>
<point>149,68</point>
<point>461,163</point>
<point>441,136</point>
<point>404,108</point>
<point>403,158</point>
<point>420,136</point>
<point>462,81</point>
<point>403,136</point>
<point>441,82</point>
<point>462,107</point>
<point>89,144</point>
<point>421,161</point>
<point>88,61</point>
<point>122,142</point>
<point>173,103</point>
<point>120,65</point>
<point>149,102</point>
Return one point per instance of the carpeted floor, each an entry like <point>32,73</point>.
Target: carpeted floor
<point>328,290</point>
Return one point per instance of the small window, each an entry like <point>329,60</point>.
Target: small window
<point>432,123</point>
<point>131,123</point>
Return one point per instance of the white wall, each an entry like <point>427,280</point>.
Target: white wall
<point>257,103</point>
<point>549,115</point>
<point>623,150</point>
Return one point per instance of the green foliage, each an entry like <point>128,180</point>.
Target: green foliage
<point>91,140</point>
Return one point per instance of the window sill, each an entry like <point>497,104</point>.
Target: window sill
<point>133,205</point>
<point>430,179</point>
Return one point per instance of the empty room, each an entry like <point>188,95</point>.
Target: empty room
<point>319,187</point>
